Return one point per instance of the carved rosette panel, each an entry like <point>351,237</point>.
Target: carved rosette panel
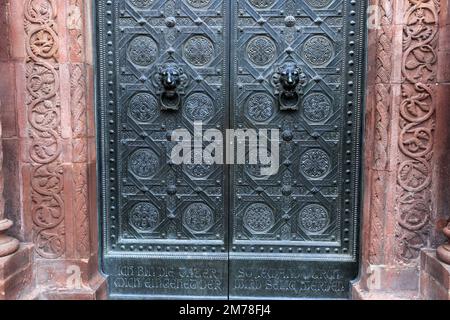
<point>310,206</point>
<point>44,122</point>
<point>417,124</point>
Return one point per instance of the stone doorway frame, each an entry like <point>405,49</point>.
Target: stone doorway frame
<point>50,166</point>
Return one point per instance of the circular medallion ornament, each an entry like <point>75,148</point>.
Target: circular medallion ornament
<point>313,219</point>
<point>414,217</point>
<point>259,218</point>
<point>315,163</point>
<point>198,217</point>
<point>260,107</point>
<point>198,50</point>
<point>141,3</point>
<point>262,4</point>
<point>317,107</point>
<point>43,43</point>
<point>198,3</point>
<point>142,51</point>
<point>318,50</point>
<point>144,163</point>
<point>144,217</point>
<point>198,171</point>
<point>199,107</point>
<point>318,3</point>
<point>414,175</point>
<point>261,50</point>
<point>143,107</point>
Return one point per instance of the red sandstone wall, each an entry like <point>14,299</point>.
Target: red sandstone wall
<point>49,139</point>
<point>406,195</point>
<point>404,209</point>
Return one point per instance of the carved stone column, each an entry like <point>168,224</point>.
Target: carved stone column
<point>443,252</point>
<point>59,169</point>
<point>403,124</point>
<point>8,245</point>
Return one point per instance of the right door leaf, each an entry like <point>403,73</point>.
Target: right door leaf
<point>297,68</point>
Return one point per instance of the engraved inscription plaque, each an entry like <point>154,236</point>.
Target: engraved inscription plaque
<point>216,231</point>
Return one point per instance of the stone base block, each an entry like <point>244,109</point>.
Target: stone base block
<point>381,282</point>
<point>70,279</point>
<point>95,291</point>
<point>16,275</point>
<point>434,277</point>
<point>360,294</point>
<point>8,245</point>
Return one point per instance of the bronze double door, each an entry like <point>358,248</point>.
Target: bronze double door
<point>218,231</point>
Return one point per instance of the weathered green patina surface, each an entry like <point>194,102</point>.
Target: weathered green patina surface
<point>218,231</point>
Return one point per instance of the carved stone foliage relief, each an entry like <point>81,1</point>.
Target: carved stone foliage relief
<point>44,120</point>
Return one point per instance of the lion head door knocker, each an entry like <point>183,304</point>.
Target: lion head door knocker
<point>171,82</point>
<point>289,81</point>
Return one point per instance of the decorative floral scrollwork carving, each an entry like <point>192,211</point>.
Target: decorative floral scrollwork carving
<point>44,120</point>
<point>417,124</point>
